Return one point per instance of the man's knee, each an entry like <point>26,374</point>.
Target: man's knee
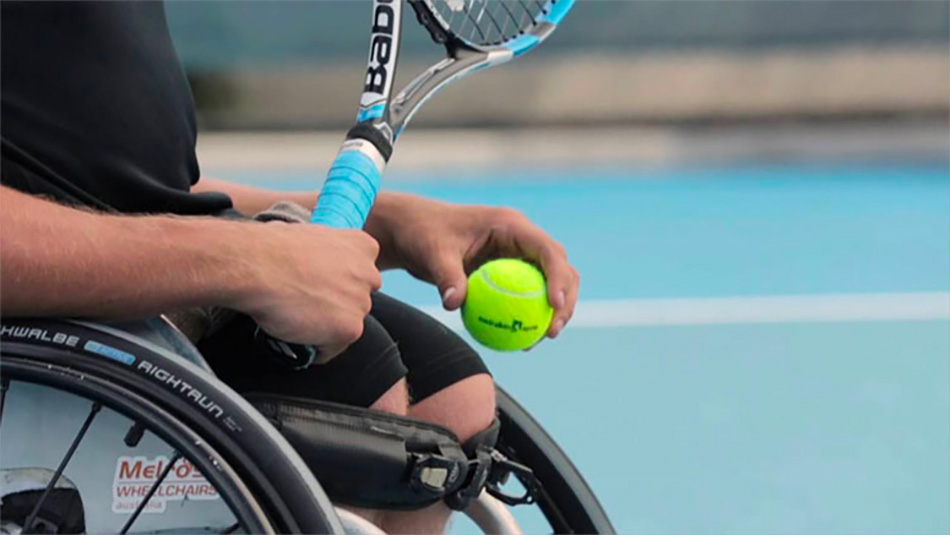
<point>395,400</point>
<point>477,393</point>
<point>466,407</point>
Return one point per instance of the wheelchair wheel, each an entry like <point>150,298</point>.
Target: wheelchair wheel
<point>565,499</point>
<point>103,434</point>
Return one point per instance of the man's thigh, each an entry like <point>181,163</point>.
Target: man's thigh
<point>359,376</point>
<point>398,341</point>
<point>435,355</point>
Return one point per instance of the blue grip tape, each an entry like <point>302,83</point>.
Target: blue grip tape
<point>349,191</point>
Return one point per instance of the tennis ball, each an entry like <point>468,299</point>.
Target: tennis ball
<point>506,306</point>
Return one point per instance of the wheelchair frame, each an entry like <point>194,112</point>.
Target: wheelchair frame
<point>152,359</point>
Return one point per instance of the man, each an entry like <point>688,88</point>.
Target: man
<point>104,214</point>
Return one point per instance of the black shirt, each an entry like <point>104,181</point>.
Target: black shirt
<point>96,109</point>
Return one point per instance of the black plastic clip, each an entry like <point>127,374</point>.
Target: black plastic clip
<point>477,473</point>
<point>433,474</point>
<point>501,468</point>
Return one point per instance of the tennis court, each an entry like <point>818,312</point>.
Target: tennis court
<point>690,392</point>
<point>759,207</point>
<point>756,196</point>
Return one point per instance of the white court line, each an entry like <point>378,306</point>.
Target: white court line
<point>821,308</point>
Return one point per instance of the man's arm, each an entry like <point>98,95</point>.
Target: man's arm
<point>439,242</point>
<point>59,261</point>
<point>250,200</point>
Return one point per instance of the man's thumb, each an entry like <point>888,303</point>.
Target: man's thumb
<point>449,276</point>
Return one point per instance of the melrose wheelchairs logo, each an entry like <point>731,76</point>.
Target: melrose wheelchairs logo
<point>135,476</point>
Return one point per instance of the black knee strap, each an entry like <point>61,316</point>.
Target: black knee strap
<point>372,459</point>
<point>485,439</point>
<point>378,460</point>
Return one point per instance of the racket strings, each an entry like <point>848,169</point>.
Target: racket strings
<point>487,22</point>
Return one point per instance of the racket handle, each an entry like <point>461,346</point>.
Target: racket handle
<point>345,201</point>
<point>292,356</point>
<point>350,189</point>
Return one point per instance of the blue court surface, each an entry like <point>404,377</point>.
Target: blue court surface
<point>762,349</point>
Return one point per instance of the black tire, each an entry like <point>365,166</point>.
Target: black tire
<point>262,461</point>
<point>250,516</point>
<point>566,500</point>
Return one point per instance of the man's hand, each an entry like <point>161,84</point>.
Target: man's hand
<point>312,283</point>
<point>440,243</point>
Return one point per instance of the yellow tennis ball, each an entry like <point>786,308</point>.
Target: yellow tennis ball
<point>506,306</point>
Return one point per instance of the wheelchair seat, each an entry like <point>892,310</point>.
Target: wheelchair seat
<point>159,332</point>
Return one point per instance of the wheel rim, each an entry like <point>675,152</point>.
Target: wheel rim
<point>248,513</point>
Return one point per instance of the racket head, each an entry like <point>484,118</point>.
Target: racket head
<point>491,26</point>
<point>470,49</point>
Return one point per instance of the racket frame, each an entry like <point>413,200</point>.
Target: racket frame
<point>463,57</point>
<point>351,185</point>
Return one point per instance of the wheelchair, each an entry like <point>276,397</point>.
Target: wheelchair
<point>123,428</point>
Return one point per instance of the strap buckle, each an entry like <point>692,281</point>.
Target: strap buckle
<point>502,467</point>
<point>478,472</point>
<point>490,470</point>
<point>433,474</point>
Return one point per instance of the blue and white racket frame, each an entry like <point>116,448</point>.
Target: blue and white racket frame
<point>353,180</point>
<point>354,177</point>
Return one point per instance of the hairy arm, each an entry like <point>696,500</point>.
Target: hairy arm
<point>250,200</point>
<point>60,261</point>
<point>439,242</point>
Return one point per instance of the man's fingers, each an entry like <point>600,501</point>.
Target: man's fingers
<point>558,274</point>
<point>562,280</point>
<point>366,242</point>
<point>562,288</point>
<point>564,314</point>
<point>449,276</point>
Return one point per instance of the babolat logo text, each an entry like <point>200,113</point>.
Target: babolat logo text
<point>183,387</point>
<point>514,326</point>
<point>381,47</point>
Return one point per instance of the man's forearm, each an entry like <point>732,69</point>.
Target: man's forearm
<point>250,200</point>
<point>59,261</point>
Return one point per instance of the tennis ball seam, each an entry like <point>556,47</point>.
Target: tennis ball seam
<point>497,288</point>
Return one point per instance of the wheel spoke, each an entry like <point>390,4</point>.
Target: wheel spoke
<point>28,525</point>
<point>134,435</point>
<point>251,512</point>
<point>4,385</point>
<point>150,493</point>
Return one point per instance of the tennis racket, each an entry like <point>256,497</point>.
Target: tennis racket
<point>476,34</point>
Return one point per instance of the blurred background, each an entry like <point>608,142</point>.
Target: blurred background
<point>756,194</point>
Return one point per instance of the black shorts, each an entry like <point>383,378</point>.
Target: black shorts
<point>398,341</point>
